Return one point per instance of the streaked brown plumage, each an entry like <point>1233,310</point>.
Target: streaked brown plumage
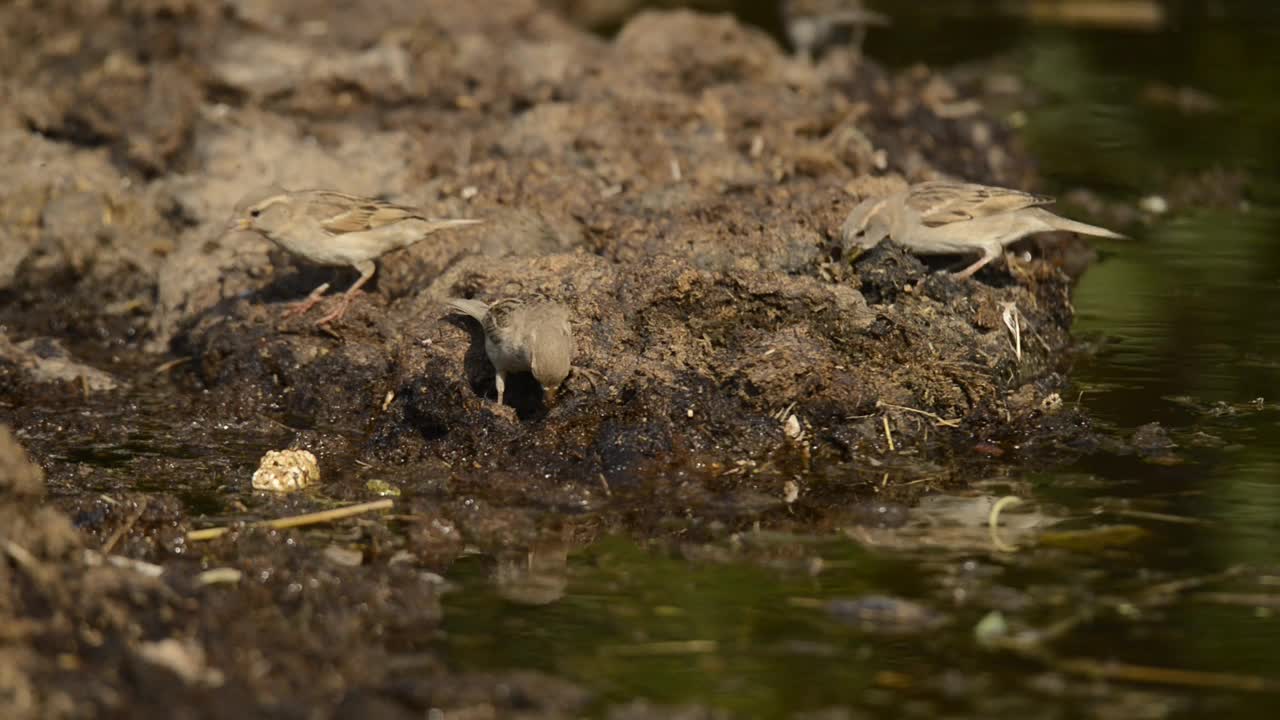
<point>333,228</point>
<point>524,337</point>
<point>942,217</point>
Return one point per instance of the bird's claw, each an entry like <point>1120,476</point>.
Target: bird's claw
<point>306,303</point>
<point>337,313</point>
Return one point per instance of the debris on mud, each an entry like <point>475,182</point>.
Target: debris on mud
<point>45,360</point>
<point>286,471</point>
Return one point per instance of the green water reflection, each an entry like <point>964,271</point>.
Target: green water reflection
<point>1187,317</point>
<point>646,624</point>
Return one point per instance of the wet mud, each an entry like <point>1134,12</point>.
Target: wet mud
<point>678,186</point>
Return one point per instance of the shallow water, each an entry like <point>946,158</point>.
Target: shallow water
<point>1181,330</point>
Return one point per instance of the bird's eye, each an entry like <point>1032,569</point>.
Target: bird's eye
<point>255,213</point>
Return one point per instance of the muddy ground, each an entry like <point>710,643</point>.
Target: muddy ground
<point>678,186</point>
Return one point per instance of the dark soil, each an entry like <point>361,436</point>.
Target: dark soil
<point>678,187</point>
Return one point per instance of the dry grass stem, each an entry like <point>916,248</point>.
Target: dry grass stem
<point>293,521</point>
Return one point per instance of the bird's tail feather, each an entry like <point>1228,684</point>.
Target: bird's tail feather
<point>434,225</point>
<point>1061,223</point>
<point>473,308</point>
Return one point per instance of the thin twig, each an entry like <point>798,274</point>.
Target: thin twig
<point>110,544</point>
<point>672,647</point>
<point>1157,593</point>
<point>993,522</point>
<point>940,420</point>
<point>888,434</point>
<point>1166,676</point>
<point>1162,517</point>
<point>1012,320</point>
<point>298,520</point>
<point>1253,600</point>
<point>165,367</point>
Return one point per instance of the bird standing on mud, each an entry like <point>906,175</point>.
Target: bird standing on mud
<point>816,25</point>
<point>942,217</point>
<point>519,337</point>
<point>332,228</point>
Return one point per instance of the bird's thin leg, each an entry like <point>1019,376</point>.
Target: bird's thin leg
<point>306,304</point>
<point>500,379</point>
<point>366,269</point>
<point>989,253</point>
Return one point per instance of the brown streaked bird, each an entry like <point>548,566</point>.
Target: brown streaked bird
<point>333,228</point>
<point>524,337</point>
<point>813,26</point>
<point>942,217</point>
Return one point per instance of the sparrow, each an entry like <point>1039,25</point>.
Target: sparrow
<point>333,228</point>
<point>942,217</point>
<point>814,25</point>
<point>535,338</point>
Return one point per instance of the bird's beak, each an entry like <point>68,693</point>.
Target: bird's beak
<point>239,225</point>
<point>856,252</point>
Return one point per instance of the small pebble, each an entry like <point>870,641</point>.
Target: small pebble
<point>792,427</point>
<point>286,471</point>
<point>882,613</point>
<point>1154,204</point>
<point>343,556</point>
<point>382,488</point>
<point>218,576</point>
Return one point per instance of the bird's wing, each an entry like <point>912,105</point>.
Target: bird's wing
<point>472,308</point>
<point>501,316</point>
<point>340,213</point>
<point>940,202</point>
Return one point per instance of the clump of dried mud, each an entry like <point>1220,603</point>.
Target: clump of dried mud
<point>677,186</point>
